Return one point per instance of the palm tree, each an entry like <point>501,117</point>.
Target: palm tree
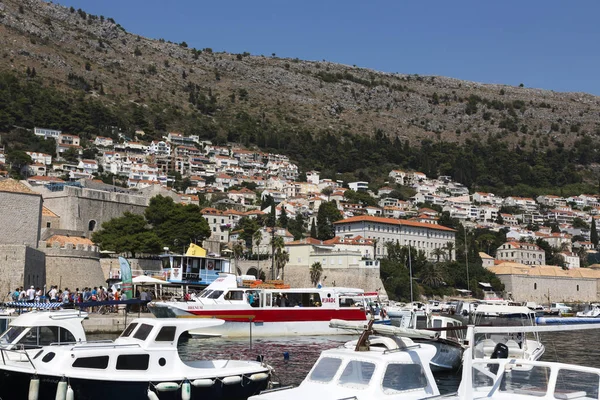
<point>450,248</point>
<point>257,237</point>
<point>431,275</point>
<point>438,252</point>
<point>278,245</point>
<point>238,250</point>
<point>281,258</point>
<point>316,270</point>
<point>327,191</point>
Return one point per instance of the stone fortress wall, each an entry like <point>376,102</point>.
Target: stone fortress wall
<point>80,209</point>
<point>20,217</point>
<point>72,266</point>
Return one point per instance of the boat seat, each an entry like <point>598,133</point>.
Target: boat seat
<point>488,346</point>
<point>513,349</point>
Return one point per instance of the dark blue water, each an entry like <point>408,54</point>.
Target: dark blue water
<point>580,347</point>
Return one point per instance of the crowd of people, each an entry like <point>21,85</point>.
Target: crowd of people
<point>70,298</point>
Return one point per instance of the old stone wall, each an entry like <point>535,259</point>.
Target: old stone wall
<point>81,209</point>
<point>72,266</point>
<point>20,266</point>
<point>20,214</point>
<point>550,289</point>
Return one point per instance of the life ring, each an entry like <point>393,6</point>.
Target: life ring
<point>210,265</point>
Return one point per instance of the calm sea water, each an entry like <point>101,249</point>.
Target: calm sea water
<point>569,347</point>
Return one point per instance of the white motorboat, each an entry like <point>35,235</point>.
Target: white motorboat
<point>143,363</point>
<point>521,345</point>
<point>444,333</point>
<point>591,311</point>
<point>368,368</point>
<point>260,311</point>
<point>505,378</point>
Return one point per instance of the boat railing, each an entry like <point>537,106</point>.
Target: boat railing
<point>80,342</point>
<point>104,345</point>
<point>20,352</point>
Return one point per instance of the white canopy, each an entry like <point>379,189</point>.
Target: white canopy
<point>141,279</point>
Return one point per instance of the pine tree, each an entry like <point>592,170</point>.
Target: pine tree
<point>313,230</point>
<point>283,218</point>
<point>594,233</point>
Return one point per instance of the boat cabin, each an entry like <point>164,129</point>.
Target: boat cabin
<point>193,269</point>
<point>41,328</point>
<point>228,290</point>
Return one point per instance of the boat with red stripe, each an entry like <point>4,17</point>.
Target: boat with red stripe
<point>271,309</point>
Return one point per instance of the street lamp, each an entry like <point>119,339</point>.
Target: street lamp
<point>467,257</point>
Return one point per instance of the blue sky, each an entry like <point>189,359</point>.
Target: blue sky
<point>546,44</point>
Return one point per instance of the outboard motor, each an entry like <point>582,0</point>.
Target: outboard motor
<point>500,351</point>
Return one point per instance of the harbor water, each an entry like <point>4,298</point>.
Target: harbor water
<point>293,356</point>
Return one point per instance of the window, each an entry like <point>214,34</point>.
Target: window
<point>133,361</point>
<point>91,225</point>
<point>166,334</point>
<point>129,329</point>
<point>400,377</point>
<point>100,362</point>
<point>535,286</point>
<point>143,332</point>
<point>357,374</point>
<point>578,288</point>
<point>48,224</point>
<point>325,369</point>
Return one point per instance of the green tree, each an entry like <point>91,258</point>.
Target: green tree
<point>283,218</point>
<point>316,270</point>
<point>328,213</point>
<point>71,155</point>
<point>176,224</point>
<point>249,227</point>
<point>127,234</point>
<point>17,159</point>
<point>313,229</point>
<point>438,252</point>
<point>431,275</point>
<point>281,256</point>
<point>327,191</point>
<point>257,237</point>
<point>296,226</point>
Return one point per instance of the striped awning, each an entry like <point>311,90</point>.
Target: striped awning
<point>45,306</point>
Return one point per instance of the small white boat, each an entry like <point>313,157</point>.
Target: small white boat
<point>143,363</point>
<point>521,345</point>
<point>373,367</point>
<point>591,311</point>
<point>444,333</point>
<point>504,378</point>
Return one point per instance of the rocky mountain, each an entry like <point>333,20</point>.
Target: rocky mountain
<point>73,50</point>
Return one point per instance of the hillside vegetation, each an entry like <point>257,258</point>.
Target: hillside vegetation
<point>66,69</point>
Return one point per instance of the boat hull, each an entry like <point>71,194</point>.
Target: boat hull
<point>15,385</point>
<point>448,356</point>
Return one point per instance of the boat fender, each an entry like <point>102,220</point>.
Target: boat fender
<point>231,380</point>
<point>70,393</point>
<point>203,382</point>
<point>152,395</point>
<point>167,386</point>
<point>186,390</point>
<point>61,390</point>
<point>261,376</point>
<point>34,388</point>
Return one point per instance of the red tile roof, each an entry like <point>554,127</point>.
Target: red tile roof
<point>392,221</point>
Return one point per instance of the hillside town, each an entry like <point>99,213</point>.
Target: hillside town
<point>232,183</point>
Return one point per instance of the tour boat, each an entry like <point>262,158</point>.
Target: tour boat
<point>504,378</point>
<point>143,363</point>
<point>266,311</point>
<point>372,367</point>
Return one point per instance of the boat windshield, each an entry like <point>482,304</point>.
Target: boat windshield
<point>205,293</point>
<point>215,294</point>
<point>11,334</point>
<point>325,369</point>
